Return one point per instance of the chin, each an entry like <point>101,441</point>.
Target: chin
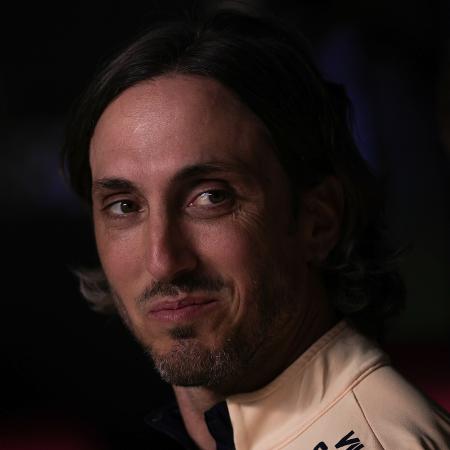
<point>191,363</point>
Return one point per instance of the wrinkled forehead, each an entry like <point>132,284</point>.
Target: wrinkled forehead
<point>180,118</point>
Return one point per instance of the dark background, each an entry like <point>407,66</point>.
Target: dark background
<point>69,372</point>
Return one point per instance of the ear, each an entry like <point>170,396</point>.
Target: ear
<point>321,215</point>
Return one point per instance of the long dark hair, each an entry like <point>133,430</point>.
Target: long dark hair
<point>267,66</point>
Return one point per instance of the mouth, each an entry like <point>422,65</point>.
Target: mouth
<point>181,310</point>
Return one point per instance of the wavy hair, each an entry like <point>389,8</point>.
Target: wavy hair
<point>267,65</point>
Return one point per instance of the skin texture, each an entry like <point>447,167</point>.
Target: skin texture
<point>189,200</point>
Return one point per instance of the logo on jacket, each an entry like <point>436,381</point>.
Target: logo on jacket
<point>346,443</point>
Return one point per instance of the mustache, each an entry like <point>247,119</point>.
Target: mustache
<point>184,284</point>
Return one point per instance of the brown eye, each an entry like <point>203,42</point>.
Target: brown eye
<point>211,198</point>
<point>122,208</point>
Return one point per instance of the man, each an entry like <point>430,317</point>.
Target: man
<point>240,240</point>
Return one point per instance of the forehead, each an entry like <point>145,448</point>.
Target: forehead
<point>172,121</point>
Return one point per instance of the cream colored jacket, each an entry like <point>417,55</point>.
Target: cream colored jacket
<point>340,394</point>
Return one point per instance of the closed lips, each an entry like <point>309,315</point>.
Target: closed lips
<point>179,304</point>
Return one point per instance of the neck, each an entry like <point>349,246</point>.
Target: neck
<point>193,403</point>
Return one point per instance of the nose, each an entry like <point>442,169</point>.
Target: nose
<point>169,252</point>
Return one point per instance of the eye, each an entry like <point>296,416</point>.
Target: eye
<point>122,208</point>
<point>212,198</point>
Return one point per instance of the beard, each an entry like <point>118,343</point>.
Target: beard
<point>190,362</point>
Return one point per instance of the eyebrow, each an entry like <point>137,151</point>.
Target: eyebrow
<point>113,184</point>
<point>187,173</point>
<point>208,168</point>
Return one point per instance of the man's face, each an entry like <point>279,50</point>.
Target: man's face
<point>194,228</point>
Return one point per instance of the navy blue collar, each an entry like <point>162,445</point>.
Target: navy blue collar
<point>168,420</point>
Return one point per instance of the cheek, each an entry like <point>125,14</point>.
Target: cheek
<point>234,250</point>
<point>229,243</point>
<point>121,259</point>
<point>254,244</point>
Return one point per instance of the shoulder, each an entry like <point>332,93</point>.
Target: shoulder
<point>398,414</point>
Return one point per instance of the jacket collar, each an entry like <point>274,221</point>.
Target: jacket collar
<point>305,390</point>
